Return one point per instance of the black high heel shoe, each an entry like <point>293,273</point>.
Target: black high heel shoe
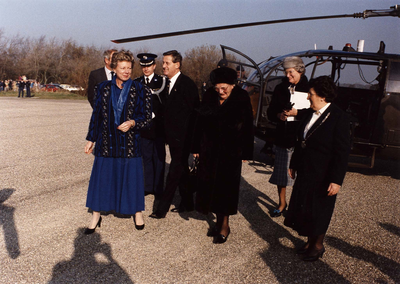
<point>220,238</point>
<point>314,255</point>
<point>138,227</point>
<point>91,231</point>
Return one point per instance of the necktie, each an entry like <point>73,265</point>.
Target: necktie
<point>147,81</point>
<point>112,74</point>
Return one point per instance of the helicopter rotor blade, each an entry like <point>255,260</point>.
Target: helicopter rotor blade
<point>394,11</point>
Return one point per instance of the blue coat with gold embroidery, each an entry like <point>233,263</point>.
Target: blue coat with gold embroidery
<point>111,142</point>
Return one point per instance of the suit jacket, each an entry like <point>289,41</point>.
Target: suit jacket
<point>157,127</point>
<point>96,76</point>
<point>327,148</point>
<point>179,114</point>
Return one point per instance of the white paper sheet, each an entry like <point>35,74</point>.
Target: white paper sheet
<point>300,101</point>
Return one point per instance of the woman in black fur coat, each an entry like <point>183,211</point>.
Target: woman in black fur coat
<point>223,138</point>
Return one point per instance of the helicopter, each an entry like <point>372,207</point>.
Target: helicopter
<point>373,106</point>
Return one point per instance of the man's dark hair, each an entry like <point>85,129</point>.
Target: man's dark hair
<point>176,57</point>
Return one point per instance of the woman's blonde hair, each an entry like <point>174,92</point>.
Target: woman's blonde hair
<point>122,55</point>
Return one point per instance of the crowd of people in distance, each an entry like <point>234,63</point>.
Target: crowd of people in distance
<point>22,85</point>
<point>134,119</point>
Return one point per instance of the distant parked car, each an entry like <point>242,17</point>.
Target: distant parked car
<point>65,86</point>
<point>51,88</point>
<point>74,88</point>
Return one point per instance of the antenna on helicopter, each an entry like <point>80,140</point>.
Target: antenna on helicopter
<point>394,11</point>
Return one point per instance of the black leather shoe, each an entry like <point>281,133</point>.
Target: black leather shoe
<point>220,238</point>
<point>314,255</point>
<point>157,215</point>
<point>178,210</point>
<point>277,212</point>
<point>181,209</point>
<point>91,231</point>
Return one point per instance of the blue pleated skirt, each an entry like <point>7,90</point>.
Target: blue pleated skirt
<point>116,184</point>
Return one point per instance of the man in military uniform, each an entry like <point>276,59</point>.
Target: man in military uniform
<point>153,140</point>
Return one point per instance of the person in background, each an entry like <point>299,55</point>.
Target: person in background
<point>122,107</point>
<point>153,139</point>
<point>100,75</point>
<point>223,137</point>
<point>320,160</point>
<point>279,111</point>
<point>179,118</point>
<point>28,88</point>
<point>241,75</point>
<point>21,86</point>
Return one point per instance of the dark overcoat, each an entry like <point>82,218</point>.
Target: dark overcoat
<point>322,161</point>
<point>223,137</point>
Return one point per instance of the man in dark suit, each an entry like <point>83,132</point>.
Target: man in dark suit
<point>100,75</point>
<point>179,116</point>
<point>152,139</point>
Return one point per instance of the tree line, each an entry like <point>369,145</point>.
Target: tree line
<point>51,60</point>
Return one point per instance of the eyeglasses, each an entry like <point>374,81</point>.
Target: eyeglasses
<point>223,89</point>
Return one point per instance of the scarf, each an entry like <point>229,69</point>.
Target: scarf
<point>119,102</point>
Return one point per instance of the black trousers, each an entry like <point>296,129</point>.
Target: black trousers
<point>177,176</point>
<point>153,156</point>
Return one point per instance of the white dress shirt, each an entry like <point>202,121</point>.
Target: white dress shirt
<point>150,78</point>
<point>172,81</point>
<point>314,118</point>
<point>108,73</point>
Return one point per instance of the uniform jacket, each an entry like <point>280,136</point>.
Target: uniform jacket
<point>96,76</point>
<point>285,135</point>
<point>179,114</point>
<point>111,142</point>
<point>157,126</point>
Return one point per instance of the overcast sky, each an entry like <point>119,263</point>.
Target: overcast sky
<point>97,22</point>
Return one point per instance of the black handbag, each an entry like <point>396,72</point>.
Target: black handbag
<point>192,182</point>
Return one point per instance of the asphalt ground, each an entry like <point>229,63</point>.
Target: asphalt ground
<point>44,175</point>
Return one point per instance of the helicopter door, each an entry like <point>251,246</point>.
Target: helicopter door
<point>253,85</point>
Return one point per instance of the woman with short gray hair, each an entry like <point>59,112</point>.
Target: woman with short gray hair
<point>279,111</point>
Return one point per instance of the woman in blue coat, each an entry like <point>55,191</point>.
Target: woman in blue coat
<point>122,107</point>
<point>320,161</point>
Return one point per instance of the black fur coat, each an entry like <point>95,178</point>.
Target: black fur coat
<point>223,137</point>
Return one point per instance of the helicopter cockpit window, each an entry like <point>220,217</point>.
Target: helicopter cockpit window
<point>393,84</point>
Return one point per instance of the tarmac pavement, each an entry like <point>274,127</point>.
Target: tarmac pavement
<point>44,175</point>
